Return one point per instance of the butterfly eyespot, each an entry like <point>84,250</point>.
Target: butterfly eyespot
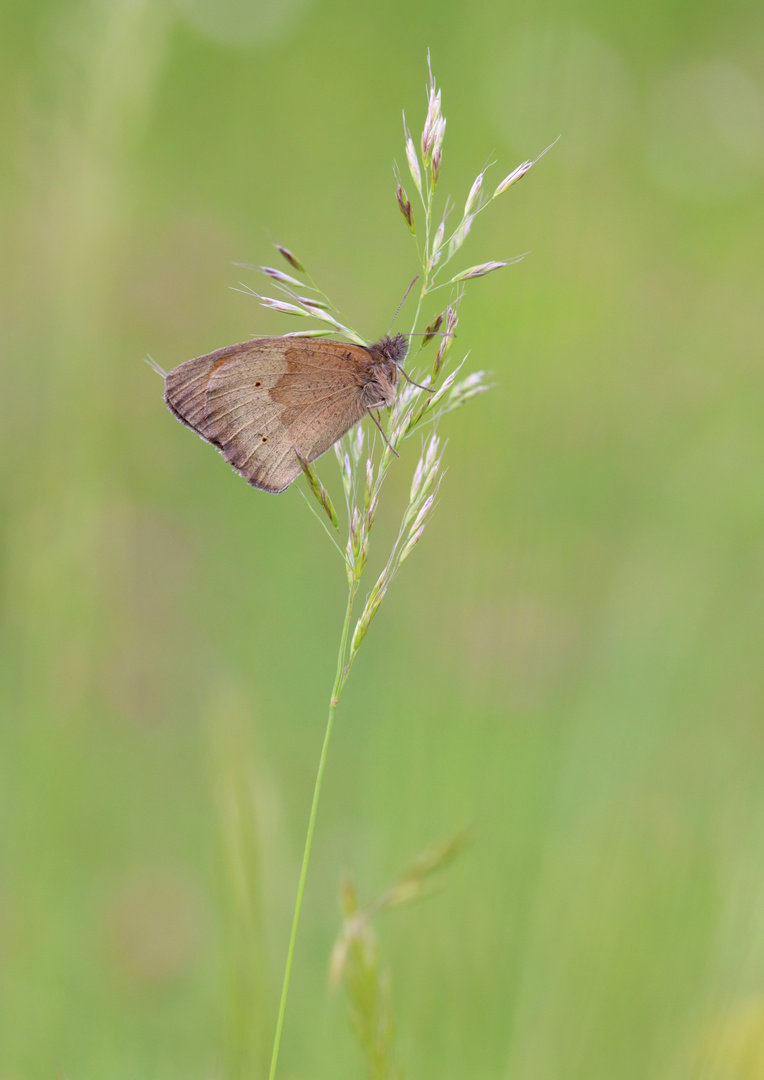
<point>258,383</point>
<point>264,438</point>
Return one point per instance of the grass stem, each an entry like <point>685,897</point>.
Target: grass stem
<point>339,681</point>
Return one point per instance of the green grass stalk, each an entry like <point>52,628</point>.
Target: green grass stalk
<point>339,680</point>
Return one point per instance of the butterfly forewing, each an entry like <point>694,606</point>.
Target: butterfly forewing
<point>261,400</point>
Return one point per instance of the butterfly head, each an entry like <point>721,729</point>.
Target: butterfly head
<point>387,356</point>
<point>394,348</point>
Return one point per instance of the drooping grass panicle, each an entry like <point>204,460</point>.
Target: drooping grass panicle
<point>318,307</point>
<point>356,956</point>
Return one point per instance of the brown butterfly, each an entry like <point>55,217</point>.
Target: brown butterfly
<point>264,402</point>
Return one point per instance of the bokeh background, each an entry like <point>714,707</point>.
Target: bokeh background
<point>571,660</point>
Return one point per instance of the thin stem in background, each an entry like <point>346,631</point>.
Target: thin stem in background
<point>339,681</point>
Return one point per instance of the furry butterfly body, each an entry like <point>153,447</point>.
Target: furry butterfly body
<point>263,402</point>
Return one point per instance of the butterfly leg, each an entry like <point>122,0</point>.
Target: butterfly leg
<point>429,389</point>
<point>377,420</point>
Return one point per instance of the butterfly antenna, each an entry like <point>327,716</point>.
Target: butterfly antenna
<point>403,301</point>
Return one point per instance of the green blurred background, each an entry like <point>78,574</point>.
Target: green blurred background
<point>571,659</point>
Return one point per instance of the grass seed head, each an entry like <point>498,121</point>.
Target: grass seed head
<point>444,349</point>
<point>290,258</point>
<point>460,235</point>
<point>318,489</point>
<point>431,330</point>
<point>420,519</point>
<point>416,172</point>
<point>347,474</point>
<point>481,269</point>
<point>283,306</point>
<point>474,194</point>
<point>356,444</point>
<point>520,171</point>
<point>279,275</point>
<point>311,304</point>
<point>416,481</point>
<point>433,116</point>
<point>405,205</point>
<point>436,160</point>
<point>468,388</point>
